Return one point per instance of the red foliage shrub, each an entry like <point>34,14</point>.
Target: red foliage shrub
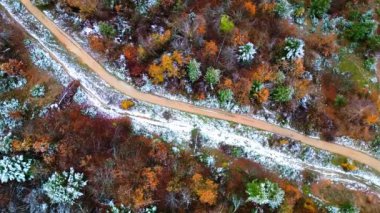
<point>323,44</point>
<point>136,70</point>
<point>97,43</point>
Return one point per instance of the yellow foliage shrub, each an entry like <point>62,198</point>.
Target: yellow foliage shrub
<point>177,57</point>
<point>156,73</point>
<point>161,39</point>
<point>126,104</point>
<point>348,167</point>
<point>141,52</point>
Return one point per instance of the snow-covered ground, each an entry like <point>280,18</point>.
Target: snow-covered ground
<point>288,161</point>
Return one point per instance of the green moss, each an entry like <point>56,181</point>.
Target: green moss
<point>107,30</point>
<point>352,64</point>
<point>306,189</point>
<point>338,160</point>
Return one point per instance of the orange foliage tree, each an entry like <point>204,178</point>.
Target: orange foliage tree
<point>371,119</point>
<point>293,194</point>
<point>96,43</point>
<point>210,49</point>
<point>263,95</point>
<point>13,67</point>
<point>250,7</point>
<point>239,38</point>
<point>299,68</point>
<point>263,73</point>
<point>241,91</point>
<point>324,44</point>
<point>206,189</point>
<point>301,87</point>
<point>151,177</point>
<point>141,198</point>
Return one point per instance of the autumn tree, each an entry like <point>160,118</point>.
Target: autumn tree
<point>170,65</point>
<point>258,92</point>
<point>205,188</point>
<point>13,67</point>
<point>210,49</point>
<point>86,7</point>
<point>239,37</point>
<point>323,44</point>
<point>97,43</point>
<point>250,7</point>
<point>263,73</point>
<point>242,90</point>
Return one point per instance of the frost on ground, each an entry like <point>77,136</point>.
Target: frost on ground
<point>70,23</point>
<point>150,119</point>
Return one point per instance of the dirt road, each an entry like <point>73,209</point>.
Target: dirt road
<point>121,86</point>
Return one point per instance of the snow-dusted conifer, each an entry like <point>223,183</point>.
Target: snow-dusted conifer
<point>265,192</point>
<point>64,188</point>
<point>246,53</point>
<point>38,91</point>
<point>15,169</point>
<point>294,48</point>
<point>193,70</point>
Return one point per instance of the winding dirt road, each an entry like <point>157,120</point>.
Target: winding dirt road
<point>121,86</point>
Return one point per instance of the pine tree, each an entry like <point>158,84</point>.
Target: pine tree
<point>265,192</point>
<point>193,70</point>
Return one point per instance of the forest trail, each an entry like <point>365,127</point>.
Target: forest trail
<point>73,47</point>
